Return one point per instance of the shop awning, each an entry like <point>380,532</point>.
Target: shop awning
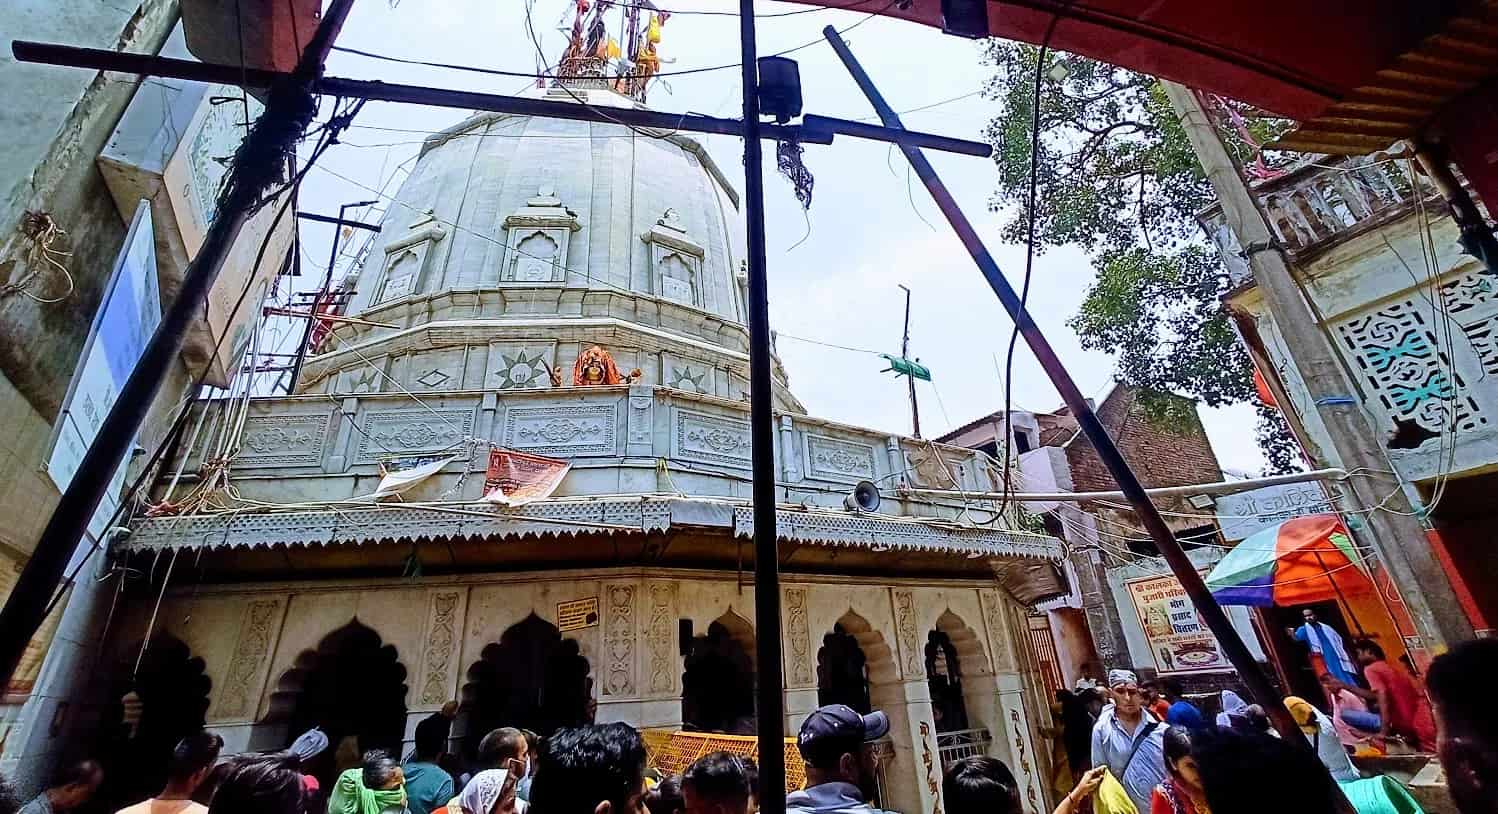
<point>1304,559</point>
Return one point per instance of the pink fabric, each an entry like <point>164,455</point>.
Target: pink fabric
<point>1410,713</point>
<point>1342,701</point>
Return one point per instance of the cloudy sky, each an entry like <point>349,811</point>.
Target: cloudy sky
<point>835,271</point>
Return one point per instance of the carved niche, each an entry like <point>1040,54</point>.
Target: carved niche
<point>536,243</point>
<point>675,261</point>
<point>406,259</point>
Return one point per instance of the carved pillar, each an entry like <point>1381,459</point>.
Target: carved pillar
<point>620,661</point>
<point>800,659</point>
<point>914,775</point>
<point>243,684</point>
<point>790,469</point>
<point>437,683</point>
<point>640,422</point>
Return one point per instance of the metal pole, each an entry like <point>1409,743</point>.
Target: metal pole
<point>1149,516</point>
<point>770,709</point>
<point>260,161</point>
<point>322,291</point>
<point>915,410</point>
<point>812,130</point>
<point>1396,534</point>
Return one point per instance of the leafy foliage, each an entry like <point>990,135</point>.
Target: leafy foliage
<point>1116,176</point>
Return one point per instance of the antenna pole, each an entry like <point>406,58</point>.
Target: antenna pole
<point>915,408</point>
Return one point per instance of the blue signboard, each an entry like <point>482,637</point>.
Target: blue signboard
<point>127,316</point>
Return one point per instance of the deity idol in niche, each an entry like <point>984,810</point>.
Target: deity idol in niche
<point>595,366</point>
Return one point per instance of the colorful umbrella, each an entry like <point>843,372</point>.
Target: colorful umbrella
<point>1304,559</point>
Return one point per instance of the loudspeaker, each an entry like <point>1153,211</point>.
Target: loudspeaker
<point>863,498</point>
<point>684,636</point>
<point>965,18</point>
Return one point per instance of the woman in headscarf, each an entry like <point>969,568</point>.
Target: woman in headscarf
<point>377,787</point>
<point>491,791</point>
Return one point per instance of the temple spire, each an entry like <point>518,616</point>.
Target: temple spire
<point>595,58</point>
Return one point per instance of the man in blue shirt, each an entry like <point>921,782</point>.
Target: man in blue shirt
<point>1326,646</point>
<point>1130,740</point>
<point>428,787</point>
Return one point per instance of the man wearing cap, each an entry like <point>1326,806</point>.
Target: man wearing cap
<point>840,767</point>
<point>1129,739</point>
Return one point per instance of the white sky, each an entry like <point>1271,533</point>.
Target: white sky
<point>867,234</point>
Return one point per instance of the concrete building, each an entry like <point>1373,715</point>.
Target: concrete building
<point>1412,320</point>
<point>1098,623</point>
<point>86,157</point>
<point>279,594</point>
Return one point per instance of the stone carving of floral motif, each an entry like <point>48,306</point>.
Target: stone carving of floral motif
<point>581,430</point>
<point>712,438</point>
<point>993,618</point>
<point>420,430</point>
<point>839,460</point>
<point>933,786</point>
<point>658,637</point>
<point>251,648</point>
<point>798,636</point>
<point>1018,726</point>
<point>619,641</point>
<point>910,648</point>
<point>283,440</point>
<point>441,635</point>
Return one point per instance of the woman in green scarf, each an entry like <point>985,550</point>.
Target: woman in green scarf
<point>377,787</point>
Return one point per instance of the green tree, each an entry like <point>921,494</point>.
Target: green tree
<point>1116,176</point>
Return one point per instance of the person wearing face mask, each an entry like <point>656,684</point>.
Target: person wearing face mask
<point>428,786</point>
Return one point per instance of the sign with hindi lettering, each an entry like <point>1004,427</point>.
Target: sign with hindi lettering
<point>127,316</point>
<point>1245,513</point>
<point>1179,641</point>
<point>577,614</point>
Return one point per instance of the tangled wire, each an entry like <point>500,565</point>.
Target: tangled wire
<point>41,232</point>
<point>788,160</point>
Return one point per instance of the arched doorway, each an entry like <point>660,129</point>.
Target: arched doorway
<point>532,678</point>
<point>954,659</point>
<point>852,662</point>
<point>944,676</point>
<point>718,685</point>
<point>150,709</point>
<point>353,687</point>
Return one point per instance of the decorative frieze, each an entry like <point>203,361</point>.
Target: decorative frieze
<point>405,432</point>
<point>282,440</point>
<point>834,459</point>
<point>587,429</point>
<point>712,439</point>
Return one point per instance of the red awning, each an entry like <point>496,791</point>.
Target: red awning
<point>1292,57</point>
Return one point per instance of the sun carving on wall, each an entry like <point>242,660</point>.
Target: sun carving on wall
<point>521,370</point>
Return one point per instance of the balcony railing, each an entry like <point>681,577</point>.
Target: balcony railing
<point>1321,203</point>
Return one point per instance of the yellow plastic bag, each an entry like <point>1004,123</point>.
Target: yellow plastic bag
<point>1111,797</point>
<point>611,51</point>
<point>653,31</point>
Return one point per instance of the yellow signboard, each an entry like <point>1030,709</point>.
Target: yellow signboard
<point>577,614</point>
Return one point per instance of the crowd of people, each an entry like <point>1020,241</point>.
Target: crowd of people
<point>1145,751</point>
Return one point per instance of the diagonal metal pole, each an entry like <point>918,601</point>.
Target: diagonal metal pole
<point>1149,516</point>
<point>770,706</point>
<point>259,162</point>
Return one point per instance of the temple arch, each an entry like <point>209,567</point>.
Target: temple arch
<point>852,660</point>
<point>718,682</point>
<point>959,678</point>
<point>352,686</point>
<point>158,696</point>
<point>532,678</point>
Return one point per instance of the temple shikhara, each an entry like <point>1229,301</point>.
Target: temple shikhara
<point>517,476</point>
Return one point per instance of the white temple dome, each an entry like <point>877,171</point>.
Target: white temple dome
<point>527,240</point>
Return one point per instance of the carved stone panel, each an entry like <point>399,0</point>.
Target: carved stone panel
<point>662,663</point>
<point>640,423</point>
<point>519,365</point>
<point>435,370</point>
<point>691,375</point>
<point>440,650</point>
<point>282,440</point>
<point>998,630</point>
<point>833,459</point>
<point>406,432</point>
<point>712,439</point>
<point>586,429</point>
<point>912,659</point>
<point>619,640</point>
<point>799,655</point>
<point>245,677</point>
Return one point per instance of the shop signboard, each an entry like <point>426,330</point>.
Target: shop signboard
<point>1179,641</point>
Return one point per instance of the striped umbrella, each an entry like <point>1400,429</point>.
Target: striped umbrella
<point>1304,559</point>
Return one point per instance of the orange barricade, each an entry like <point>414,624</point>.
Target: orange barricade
<point>672,752</point>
